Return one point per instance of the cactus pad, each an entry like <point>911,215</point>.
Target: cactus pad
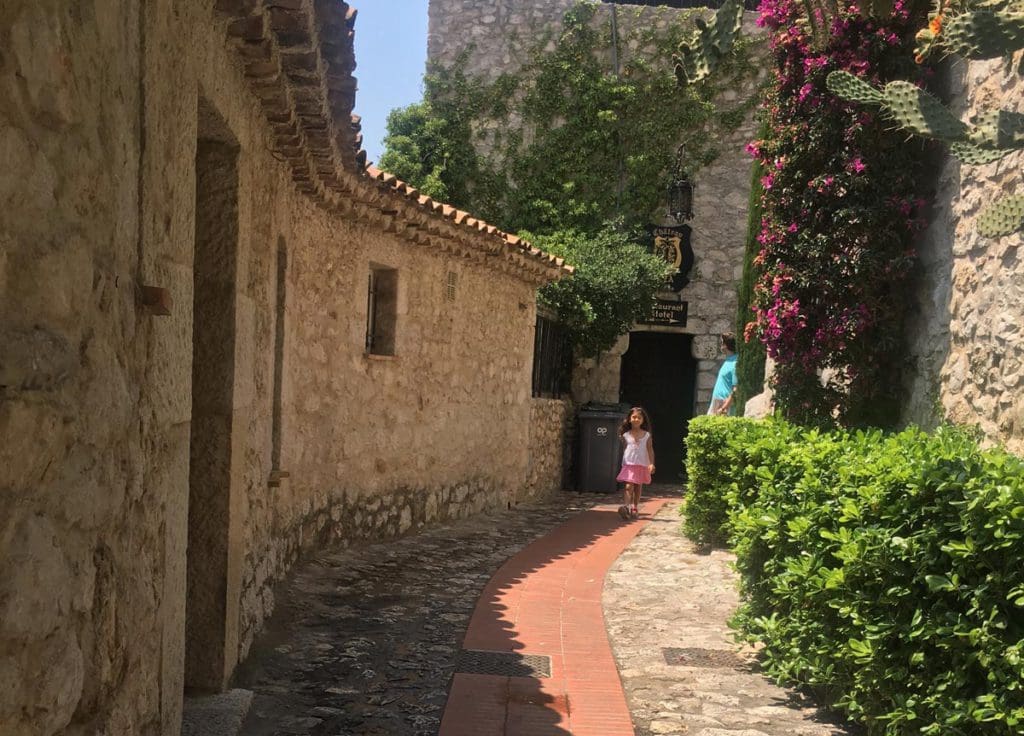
<point>984,34</point>
<point>878,8</point>
<point>998,129</point>
<point>922,113</point>
<point>713,40</point>
<point>1004,217</point>
<point>853,88</point>
<point>973,155</point>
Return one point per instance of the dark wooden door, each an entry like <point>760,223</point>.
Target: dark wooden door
<point>659,374</point>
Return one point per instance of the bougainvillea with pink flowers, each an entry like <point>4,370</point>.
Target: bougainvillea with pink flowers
<point>842,206</point>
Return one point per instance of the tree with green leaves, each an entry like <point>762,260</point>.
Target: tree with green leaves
<point>614,284</point>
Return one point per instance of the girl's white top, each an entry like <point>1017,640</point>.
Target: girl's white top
<point>636,450</point>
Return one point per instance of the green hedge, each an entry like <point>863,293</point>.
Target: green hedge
<point>722,458</point>
<point>882,571</point>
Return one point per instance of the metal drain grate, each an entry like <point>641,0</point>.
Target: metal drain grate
<point>696,657</point>
<point>509,664</point>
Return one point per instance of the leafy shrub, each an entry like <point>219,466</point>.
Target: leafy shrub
<point>717,458</point>
<point>613,287</point>
<point>883,573</point>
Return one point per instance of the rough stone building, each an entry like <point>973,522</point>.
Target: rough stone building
<point>966,357</point>
<point>967,346</point>
<point>223,341</point>
<point>668,368</point>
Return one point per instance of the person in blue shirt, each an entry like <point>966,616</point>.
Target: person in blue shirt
<point>722,398</point>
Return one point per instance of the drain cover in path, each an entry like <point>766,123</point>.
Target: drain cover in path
<point>508,664</point>
<point>696,657</point>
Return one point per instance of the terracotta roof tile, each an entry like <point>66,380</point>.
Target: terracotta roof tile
<point>283,44</point>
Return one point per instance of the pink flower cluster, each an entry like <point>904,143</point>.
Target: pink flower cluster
<point>839,205</point>
<point>780,324</point>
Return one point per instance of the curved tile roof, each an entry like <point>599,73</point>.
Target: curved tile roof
<point>299,58</point>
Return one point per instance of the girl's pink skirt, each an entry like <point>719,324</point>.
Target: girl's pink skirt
<point>636,474</point>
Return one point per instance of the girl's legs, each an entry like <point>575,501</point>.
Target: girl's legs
<point>627,493</point>
<point>637,490</point>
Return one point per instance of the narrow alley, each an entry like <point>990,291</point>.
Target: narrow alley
<point>393,639</point>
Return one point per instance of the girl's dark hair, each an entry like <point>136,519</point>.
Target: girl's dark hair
<point>645,425</point>
<point>729,340</point>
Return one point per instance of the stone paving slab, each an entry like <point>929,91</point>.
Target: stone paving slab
<point>661,594</point>
<point>364,641</point>
<point>215,715</point>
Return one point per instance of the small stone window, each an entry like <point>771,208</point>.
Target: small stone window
<point>449,285</point>
<point>381,310</point>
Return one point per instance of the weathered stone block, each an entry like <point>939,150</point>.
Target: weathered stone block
<point>32,553</point>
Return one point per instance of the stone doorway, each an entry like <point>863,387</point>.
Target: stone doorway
<point>211,599</point>
<point>659,373</point>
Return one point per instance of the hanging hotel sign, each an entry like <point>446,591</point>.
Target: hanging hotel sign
<point>672,243</point>
<point>666,312</point>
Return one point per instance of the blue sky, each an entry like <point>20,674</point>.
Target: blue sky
<point>391,52</point>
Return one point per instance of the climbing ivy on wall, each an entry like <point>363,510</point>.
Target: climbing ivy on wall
<point>572,154</point>
<point>565,143</point>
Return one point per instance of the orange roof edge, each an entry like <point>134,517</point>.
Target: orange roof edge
<point>463,219</point>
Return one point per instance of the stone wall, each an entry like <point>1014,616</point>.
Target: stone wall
<point>502,32</point>
<point>376,446</point>
<point>968,348</point>
<point>103,109</point>
<point>597,379</point>
<point>720,201</point>
<point>500,36</point>
<point>80,543</point>
<point>550,453</point>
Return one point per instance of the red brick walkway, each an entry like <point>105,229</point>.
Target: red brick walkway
<point>547,600</point>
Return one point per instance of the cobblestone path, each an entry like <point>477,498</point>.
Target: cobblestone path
<point>665,603</point>
<point>364,640</point>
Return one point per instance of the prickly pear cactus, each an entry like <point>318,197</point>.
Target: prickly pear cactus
<point>983,34</point>
<point>921,112</point>
<point>998,129</point>
<point>853,88</point>
<point>910,106</point>
<point>1004,217</point>
<point>991,136</point>
<point>878,8</point>
<point>974,155</point>
<point>713,41</point>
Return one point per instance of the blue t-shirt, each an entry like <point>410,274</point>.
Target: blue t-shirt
<point>726,379</point>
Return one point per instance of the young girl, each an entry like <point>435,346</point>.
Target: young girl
<point>637,459</point>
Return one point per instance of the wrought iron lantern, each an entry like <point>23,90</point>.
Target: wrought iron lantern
<point>680,199</point>
<point>680,191</point>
